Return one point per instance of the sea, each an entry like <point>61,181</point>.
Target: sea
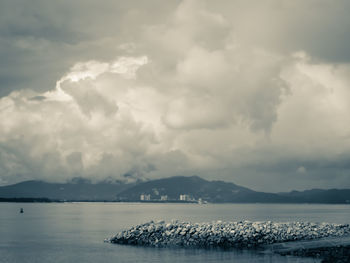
<point>75,232</point>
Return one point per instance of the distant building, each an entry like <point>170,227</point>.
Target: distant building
<point>144,197</point>
<point>185,197</point>
<point>164,198</point>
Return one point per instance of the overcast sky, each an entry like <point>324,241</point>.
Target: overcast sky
<point>252,92</point>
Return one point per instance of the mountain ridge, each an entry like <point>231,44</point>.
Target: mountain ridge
<point>167,189</point>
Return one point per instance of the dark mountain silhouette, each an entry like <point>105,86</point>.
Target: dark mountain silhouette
<point>77,189</point>
<point>331,196</point>
<point>194,186</point>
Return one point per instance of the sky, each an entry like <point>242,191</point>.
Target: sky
<point>251,92</point>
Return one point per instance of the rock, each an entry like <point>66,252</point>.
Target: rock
<point>221,234</point>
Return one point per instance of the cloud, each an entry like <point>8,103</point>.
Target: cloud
<point>189,92</point>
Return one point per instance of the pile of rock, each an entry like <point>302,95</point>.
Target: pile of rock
<point>224,234</point>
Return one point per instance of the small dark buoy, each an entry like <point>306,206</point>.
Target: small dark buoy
<point>21,211</point>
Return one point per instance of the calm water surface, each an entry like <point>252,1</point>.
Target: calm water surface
<point>74,232</point>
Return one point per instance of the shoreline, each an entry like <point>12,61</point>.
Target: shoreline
<point>47,200</point>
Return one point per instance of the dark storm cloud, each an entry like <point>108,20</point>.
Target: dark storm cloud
<point>41,40</point>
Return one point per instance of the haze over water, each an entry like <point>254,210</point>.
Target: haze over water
<point>74,232</point>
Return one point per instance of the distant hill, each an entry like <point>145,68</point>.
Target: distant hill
<point>26,200</point>
<point>331,196</point>
<point>193,187</point>
<point>196,187</point>
<point>78,189</point>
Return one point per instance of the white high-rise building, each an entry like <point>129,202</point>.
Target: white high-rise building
<point>144,197</point>
<point>184,197</point>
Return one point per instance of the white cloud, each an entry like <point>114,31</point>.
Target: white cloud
<point>201,100</point>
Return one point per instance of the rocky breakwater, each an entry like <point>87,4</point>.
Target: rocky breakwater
<point>242,234</point>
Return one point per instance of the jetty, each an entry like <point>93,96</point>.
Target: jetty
<point>242,234</point>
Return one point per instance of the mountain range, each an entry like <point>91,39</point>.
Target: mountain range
<point>77,189</point>
<point>168,189</point>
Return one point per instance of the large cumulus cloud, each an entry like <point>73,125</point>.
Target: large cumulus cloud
<point>192,93</point>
